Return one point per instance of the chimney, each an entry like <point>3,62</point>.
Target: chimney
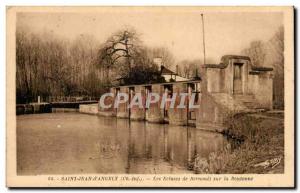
<point>131,63</point>
<point>158,62</point>
<point>177,70</point>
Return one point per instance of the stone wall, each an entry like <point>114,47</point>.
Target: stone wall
<point>213,80</point>
<point>220,79</point>
<point>210,116</point>
<point>220,98</point>
<point>89,109</point>
<point>264,94</point>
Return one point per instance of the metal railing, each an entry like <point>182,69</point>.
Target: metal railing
<point>71,98</point>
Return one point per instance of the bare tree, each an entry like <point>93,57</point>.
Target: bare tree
<point>190,68</point>
<point>46,65</point>
<point>276,60</point>
<point>256,52</point>
<point>83,54</point>
<point>276,45</point>
<point>49,66</point>
<point>271,53</point>
<point>119,50</point>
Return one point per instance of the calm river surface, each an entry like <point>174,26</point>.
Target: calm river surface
<point>74,143</point>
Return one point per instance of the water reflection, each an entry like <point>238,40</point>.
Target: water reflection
<point>168,149</point>
<point>91,144</point>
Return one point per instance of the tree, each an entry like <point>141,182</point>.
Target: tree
<point>276,60</point>
<point>125,55</point>
<point>190,68</point>
<point>119,50</point>
<point>83,54</point>
<point>276,45</point>
<point>50,66</point>
<point>271,53</point>
<point>256,52</point>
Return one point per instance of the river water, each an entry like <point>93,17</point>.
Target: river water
<point>74,143</point>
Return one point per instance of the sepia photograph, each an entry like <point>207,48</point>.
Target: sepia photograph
<point>150,96</point>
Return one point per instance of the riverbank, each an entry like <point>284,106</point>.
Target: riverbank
<point>261,149</point>
<point>257,147</point>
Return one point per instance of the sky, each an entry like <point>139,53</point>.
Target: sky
<point>179,31</point>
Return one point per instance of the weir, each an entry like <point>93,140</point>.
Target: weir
<point>157,111</point>
<point>231,87</point>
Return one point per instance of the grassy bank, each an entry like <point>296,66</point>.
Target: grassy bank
<point>258,146</point>
<point>262,147</point>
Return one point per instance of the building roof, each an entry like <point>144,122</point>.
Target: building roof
<point>228,57</point>
<point>215,66</point>
<point>225,61</point>
<point>169,75</point>
<point>166,71</point>
<point>261,68</point>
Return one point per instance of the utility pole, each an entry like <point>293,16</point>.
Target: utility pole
<point>203,38</point>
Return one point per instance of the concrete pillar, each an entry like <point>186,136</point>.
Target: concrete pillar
<point>137,113</point>
<point>191,148</point>
<point>108,101</point>
<point>178,116</point>
<point>166,142</point>
<point>123,111</point>
<point>155,113</point>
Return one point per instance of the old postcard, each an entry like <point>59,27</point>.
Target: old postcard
<point>150,97</point>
